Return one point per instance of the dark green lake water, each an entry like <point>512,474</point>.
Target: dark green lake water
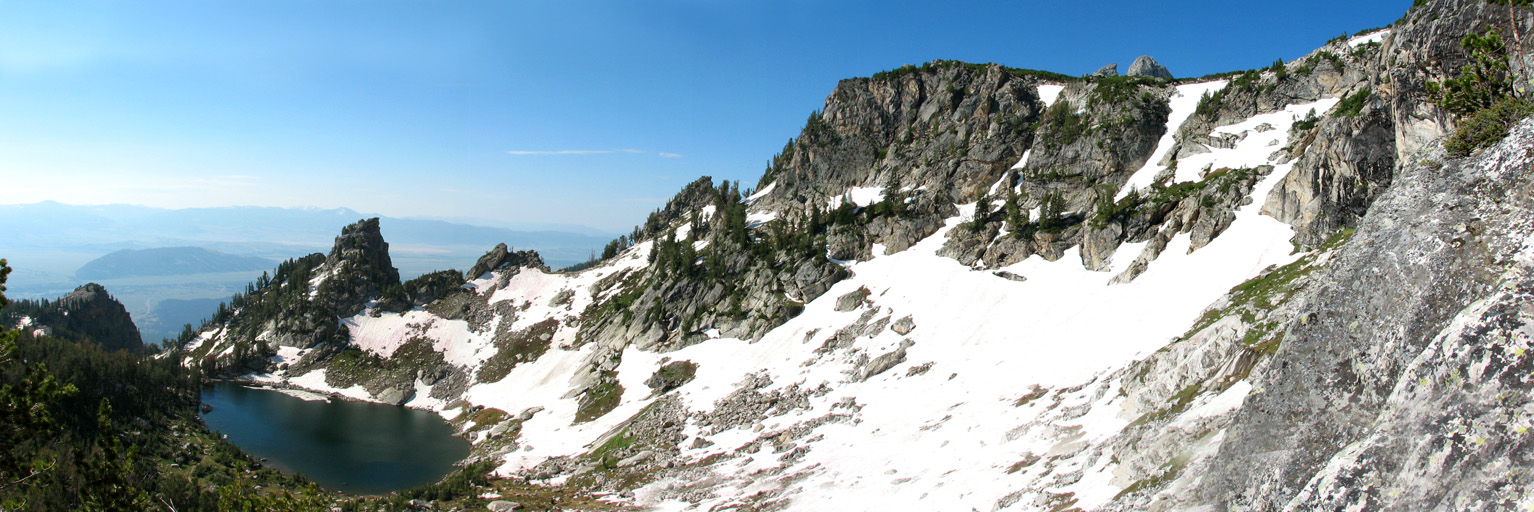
<point>352,447</point>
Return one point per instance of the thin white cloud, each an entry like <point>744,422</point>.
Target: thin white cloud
<point>565,152</point>
<point>591,152</point>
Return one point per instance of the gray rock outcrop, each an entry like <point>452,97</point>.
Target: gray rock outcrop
<point>1354,370</point>
<point>1147,66</point>
<point>1350,163</point>
<point>952,128</point>
<point>1107,71</point>
<point>358,268</point>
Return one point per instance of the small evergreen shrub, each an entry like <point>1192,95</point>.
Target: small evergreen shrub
<point>1337,63</point>
<point>1486,127</point>
<point>1352,106</point>
<point>1308,123</point>
<point>1482,96</point>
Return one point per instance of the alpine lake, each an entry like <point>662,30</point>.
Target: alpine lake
<point>356,448</point>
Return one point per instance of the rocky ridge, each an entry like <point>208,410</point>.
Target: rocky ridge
<point>1368,353</point>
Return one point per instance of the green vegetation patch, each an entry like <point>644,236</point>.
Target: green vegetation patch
<point>908,69</point>
<point>1353,105</point>
<point>1167,476</point>
<point>1119,89</point>
<point>600,399</point>
<point>671,376</point>
<point>1485,128</point>
<point>487,417</point>
<point>608,455</point>
<point>1179,403</point>
<point>1063,125</point>
<point>523,346</point>
<point>1267,292</point>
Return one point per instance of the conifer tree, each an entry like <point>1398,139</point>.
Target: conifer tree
<point>107,484</point>
<point>982,211</point>
<point>1017,217</point>
<point>1051,207</point>
<point>5,273</point>
<point>1484,81</point>
<point>26,419</point>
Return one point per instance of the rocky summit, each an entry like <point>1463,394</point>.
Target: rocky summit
<point>89,314</point>
<point>973,287</point>
<point>1147,66</point>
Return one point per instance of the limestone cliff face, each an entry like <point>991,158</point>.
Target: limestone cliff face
<point>951,127</point>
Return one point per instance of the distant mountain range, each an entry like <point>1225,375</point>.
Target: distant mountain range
<point>276,233</point>
<point>168,261</point>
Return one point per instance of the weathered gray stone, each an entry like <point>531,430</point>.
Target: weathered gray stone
<point>396,396</point>
<point>504,506</point>
<point>1008,276</point>
<point>1147,66</point>
<point>1365,365</point>
<point>1107,71</point>
<point>884,362</point>
<point>1351,162</point>
<point>852,300</point>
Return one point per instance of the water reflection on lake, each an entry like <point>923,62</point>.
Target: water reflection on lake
<point>351,447</point>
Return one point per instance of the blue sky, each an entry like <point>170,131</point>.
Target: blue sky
<point>518,112</point>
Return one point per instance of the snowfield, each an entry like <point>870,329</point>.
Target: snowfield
<point>1050,93</point>
<point>949,413</point>
<point>1183,102</point>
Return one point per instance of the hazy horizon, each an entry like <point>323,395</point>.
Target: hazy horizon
<point>501,113</point>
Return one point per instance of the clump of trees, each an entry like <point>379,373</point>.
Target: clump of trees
<point>83,428</point>
<point>1482,96</point>
<point>1354,104</point>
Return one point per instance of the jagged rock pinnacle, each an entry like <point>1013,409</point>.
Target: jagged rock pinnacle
<point>1147,66</point>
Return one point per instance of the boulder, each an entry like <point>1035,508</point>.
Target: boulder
<point>503,506</point>
<point>396,396</point>
<point>490,261</point>
<point>1008,276</point>
<point>671,376</point>
<point>852,300</point>
<point>884,362</point>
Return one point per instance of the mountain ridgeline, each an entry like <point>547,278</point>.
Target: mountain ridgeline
<point>1305,286</point>
<point>167,261</point>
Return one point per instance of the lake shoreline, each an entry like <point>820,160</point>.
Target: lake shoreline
<point>353,443</point>
<point>283,385</point>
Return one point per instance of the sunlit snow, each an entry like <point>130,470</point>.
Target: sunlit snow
<point>1375,37</point>
<point>1049,94</point>
<point>1183,102</point>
